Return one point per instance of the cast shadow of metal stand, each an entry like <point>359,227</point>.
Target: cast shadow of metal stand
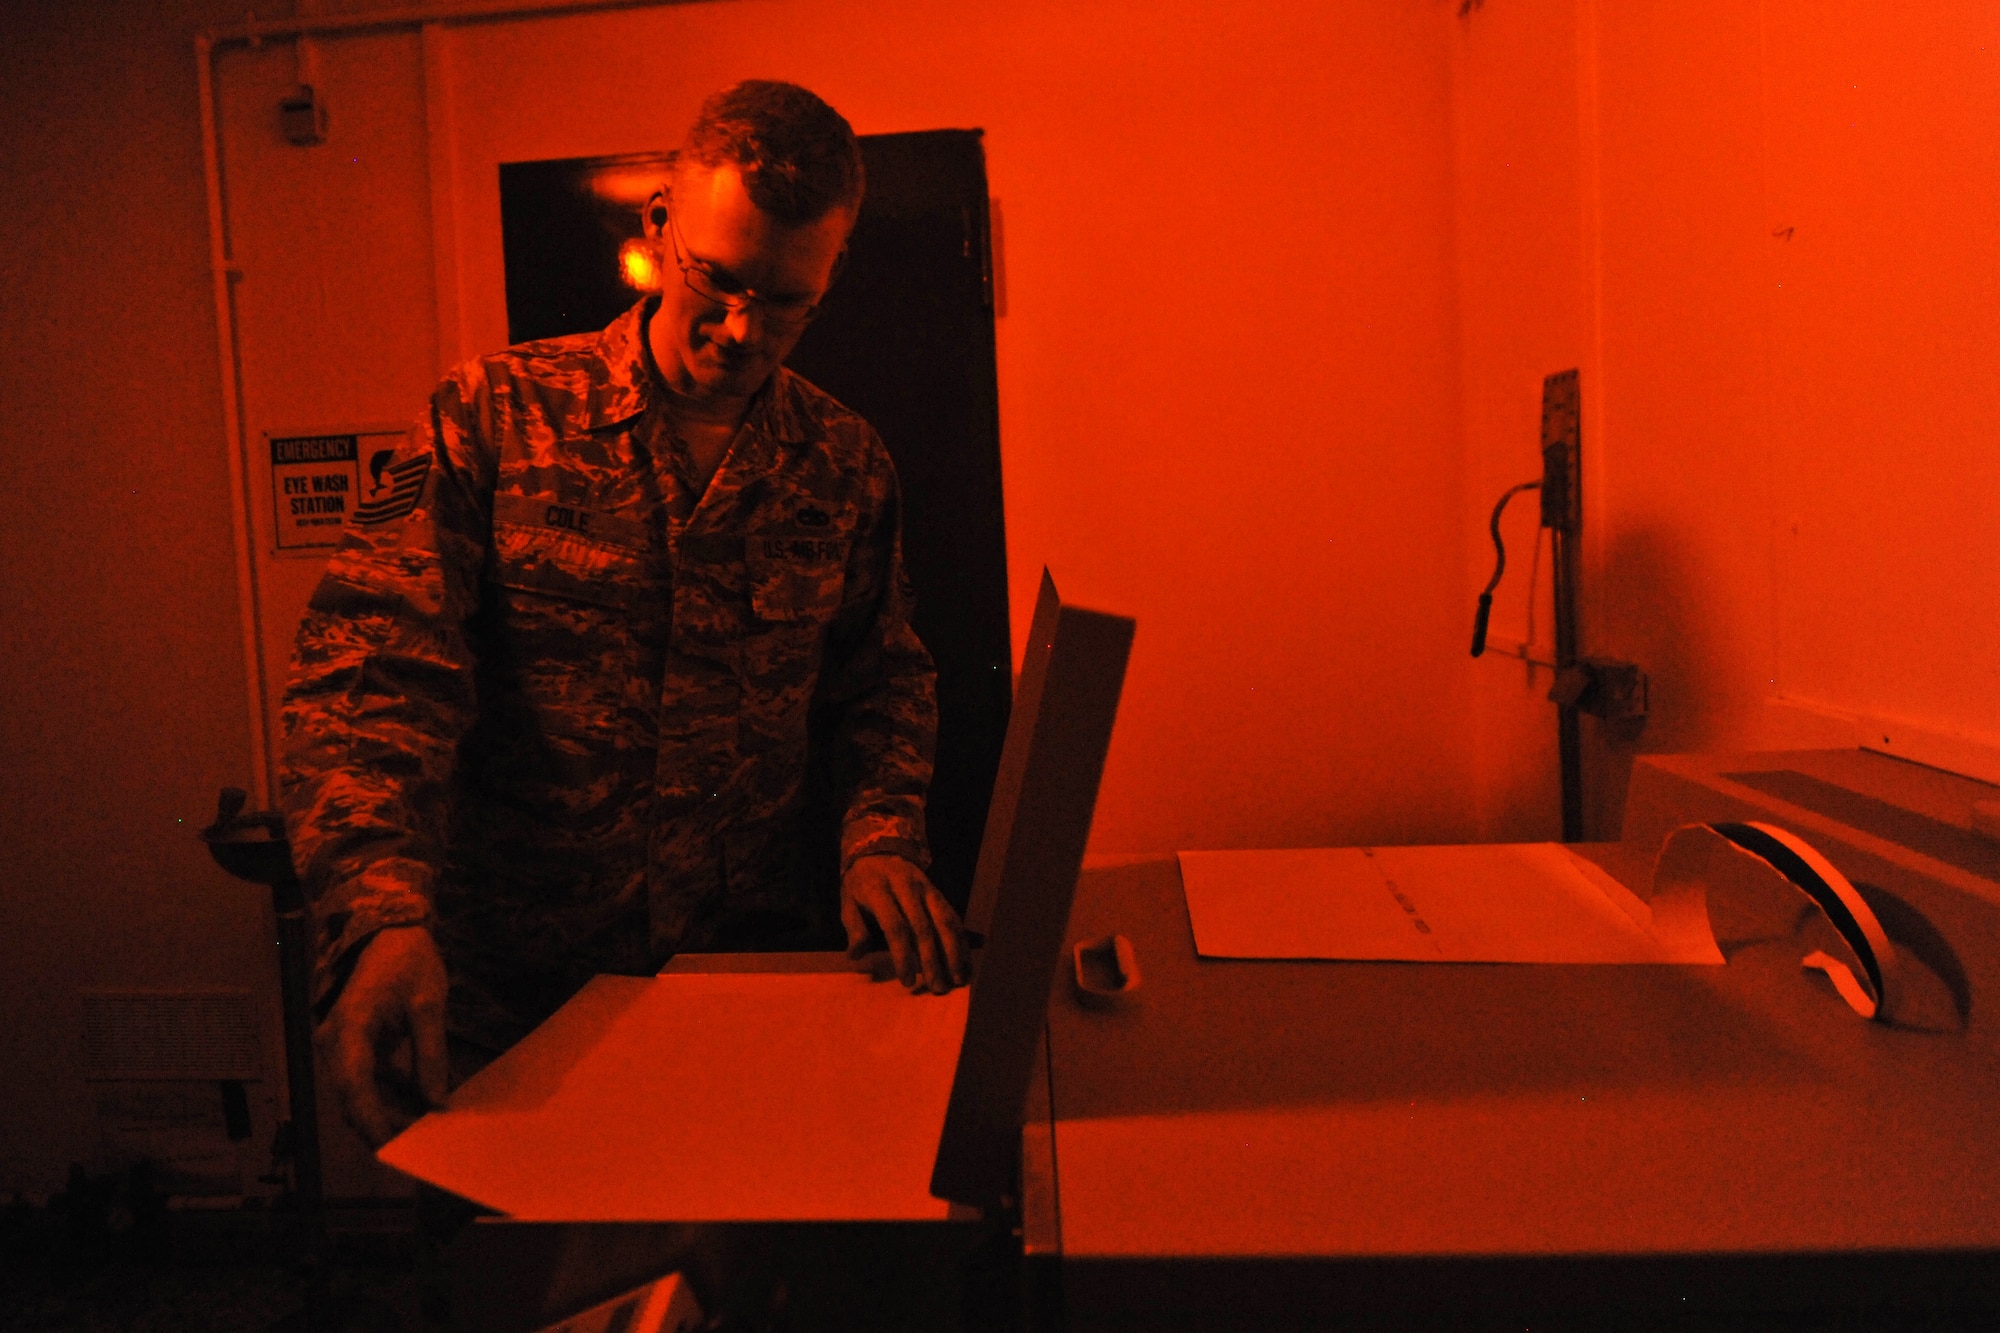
<point>252,846</point>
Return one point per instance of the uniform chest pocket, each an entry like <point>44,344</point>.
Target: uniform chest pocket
<point>796,573</point>
<point>551,563</point>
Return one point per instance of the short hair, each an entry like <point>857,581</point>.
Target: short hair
<point>799,157</point>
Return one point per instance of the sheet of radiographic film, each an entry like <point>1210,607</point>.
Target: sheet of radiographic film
<point>1500,903</point>
<point>707,1097</point>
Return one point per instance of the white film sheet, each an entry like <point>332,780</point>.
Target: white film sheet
<point>1495,903</point>
<point>707,1097</point>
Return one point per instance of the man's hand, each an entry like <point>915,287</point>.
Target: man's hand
<point>383,1041</point>
<point>925,937</point>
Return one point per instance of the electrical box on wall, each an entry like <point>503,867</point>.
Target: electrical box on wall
<point>302,117</point>
<point>177,1082</point>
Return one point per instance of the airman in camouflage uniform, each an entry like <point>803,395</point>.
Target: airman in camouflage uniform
<point>556,706</point>
<point>559,695</point>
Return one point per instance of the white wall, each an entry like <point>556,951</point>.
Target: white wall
<point>1883,167</point>
<point>121,668</point>
<point>1766,235</point>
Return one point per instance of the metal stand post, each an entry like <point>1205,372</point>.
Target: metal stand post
<point>253,847</point>
<point>1562,515</point>
<point>1602,686</point>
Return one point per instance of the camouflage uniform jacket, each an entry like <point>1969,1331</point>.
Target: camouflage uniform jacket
<point>559,707</point>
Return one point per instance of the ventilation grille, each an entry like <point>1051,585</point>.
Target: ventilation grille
<point>170,1035</point>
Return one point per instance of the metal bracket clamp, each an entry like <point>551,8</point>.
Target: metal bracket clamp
<point>1604,687</point>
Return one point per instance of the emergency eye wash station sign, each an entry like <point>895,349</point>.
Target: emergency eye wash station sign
<point>318,480</point>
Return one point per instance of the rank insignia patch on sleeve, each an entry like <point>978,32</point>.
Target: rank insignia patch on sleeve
<point>392,489</point>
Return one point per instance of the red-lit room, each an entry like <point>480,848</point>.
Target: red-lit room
<point>803,664</point>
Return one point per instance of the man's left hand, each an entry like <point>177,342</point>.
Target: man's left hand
<point>925,937</point>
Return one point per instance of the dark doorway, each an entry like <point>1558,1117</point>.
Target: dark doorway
<point>907,341</point>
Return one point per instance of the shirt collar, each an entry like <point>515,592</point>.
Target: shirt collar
<point>776,409</point>
<point>625,387</point>
<point>620,384</point>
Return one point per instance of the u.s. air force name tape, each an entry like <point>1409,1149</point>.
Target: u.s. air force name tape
<point>1761,866</point>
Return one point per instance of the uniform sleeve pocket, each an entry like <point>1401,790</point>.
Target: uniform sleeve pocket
<point>796,575</point>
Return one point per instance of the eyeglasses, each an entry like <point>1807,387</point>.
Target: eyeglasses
<point>783,312</point>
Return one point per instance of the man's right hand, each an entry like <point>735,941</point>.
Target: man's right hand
<point>383,1041</point>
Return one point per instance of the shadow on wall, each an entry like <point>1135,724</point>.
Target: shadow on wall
<point>1683,621</point>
